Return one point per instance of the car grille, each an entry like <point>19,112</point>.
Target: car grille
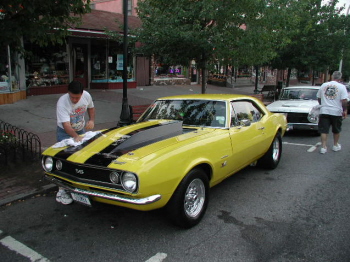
<point>87,174</point>
<point>297,118</point>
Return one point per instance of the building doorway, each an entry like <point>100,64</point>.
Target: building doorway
<point>80,63</point>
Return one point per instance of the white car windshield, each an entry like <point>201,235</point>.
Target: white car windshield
<point>191,112</point>
<point>298,94</point>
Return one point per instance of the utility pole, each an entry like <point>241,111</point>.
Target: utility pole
<point>125,115</point>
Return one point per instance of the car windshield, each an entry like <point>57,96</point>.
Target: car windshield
<point>191,112</point>
<point>298,93</point>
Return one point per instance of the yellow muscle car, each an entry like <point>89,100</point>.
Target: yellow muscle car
<point>179,148</point>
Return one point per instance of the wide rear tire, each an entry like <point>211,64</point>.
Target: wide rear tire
<point>272,157</point>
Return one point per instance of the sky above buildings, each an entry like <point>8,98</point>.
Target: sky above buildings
<point>340,4</point>
<point>344,2</point>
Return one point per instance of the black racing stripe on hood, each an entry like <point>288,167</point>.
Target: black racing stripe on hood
<point>64,154</point>
<point>107,155</point>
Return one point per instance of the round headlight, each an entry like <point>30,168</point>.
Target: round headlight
<point>59,164</point>
<point>312,118</point>
<point>47,163</point>
<point>114,177</point>
<point>129,182</point>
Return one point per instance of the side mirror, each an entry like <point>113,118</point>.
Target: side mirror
<point>245,122</point>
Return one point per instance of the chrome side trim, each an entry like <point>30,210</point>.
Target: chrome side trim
<point>123,199</point>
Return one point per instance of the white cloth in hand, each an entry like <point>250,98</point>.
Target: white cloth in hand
<point>70,141</point>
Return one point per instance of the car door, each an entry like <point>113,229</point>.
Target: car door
<point>248,139</point>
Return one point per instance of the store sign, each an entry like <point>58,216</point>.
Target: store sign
<point>120,62</point>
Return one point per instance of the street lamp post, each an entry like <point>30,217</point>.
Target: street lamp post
<point>125,115</point>
<point>341,60</point>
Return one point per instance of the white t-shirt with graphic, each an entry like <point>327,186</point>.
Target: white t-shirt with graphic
<point>332,93</point>
<point>73,113</point>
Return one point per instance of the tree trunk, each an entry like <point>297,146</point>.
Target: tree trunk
<point>288,76</point>
<point>203,66</point>
<point>256,79</point>
<point>204,82</point>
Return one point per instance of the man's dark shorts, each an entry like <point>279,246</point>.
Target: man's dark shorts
<point>327,121</point>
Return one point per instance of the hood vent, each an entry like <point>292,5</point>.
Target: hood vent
<point>149,136</point>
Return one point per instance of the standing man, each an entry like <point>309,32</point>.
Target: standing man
<point>332,96</point>
<point>71,109</point>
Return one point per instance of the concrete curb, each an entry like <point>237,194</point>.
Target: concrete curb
<point>28,194</point>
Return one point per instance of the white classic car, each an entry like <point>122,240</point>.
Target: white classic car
<point>296,102</point>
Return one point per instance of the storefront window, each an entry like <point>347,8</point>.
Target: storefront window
<point>107,62</point>
<point>98,61</point>
<point>4,74</point>
<point>9,70</point>
<point>46,66</point>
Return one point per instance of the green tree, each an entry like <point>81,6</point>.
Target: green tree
<point>317,38</point>
<point>246,31</point>
<point>40,21</point>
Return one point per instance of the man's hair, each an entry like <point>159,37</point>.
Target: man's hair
<point>75,87</point>
<point>336,75</point>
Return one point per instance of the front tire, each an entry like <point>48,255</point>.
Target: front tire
<point>272,157</point>
<point>187,206</point>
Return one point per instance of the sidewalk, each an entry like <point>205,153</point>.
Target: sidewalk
<point>37,114</point>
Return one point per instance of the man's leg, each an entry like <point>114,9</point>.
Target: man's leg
<point>336,138</point>
<point>323,128</point>
<point>63,196</point>
<point>324,140</point>
<point>336,129</point>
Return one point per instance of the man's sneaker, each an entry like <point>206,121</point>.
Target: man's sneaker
<point>336,148</point>
<point>323,150</point>
<point>64,197</point>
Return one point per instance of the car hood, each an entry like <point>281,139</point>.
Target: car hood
<point>129,143</point>
<point>297,106</point>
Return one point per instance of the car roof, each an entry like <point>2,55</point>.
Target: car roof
<point>227,97</point>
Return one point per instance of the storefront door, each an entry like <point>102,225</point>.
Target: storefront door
<point>80,63</point>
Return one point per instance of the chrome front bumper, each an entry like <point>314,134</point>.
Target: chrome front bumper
<point>123,199</point>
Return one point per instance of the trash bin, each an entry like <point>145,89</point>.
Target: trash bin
<point>194,78</point>
<point>193,74</point>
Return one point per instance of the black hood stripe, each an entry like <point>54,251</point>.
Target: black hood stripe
<point>64,154</point>
<point>103,158</point>
<point>108,154</point>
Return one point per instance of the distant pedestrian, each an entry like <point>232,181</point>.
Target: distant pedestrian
<point>332,96</point>
<point>71,109</point>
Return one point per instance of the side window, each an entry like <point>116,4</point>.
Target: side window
<point>244,110</point>
<point>257,114</point>
<point>234,120</point>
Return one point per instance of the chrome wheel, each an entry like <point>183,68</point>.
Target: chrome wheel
<point>276,150</point>
<point>189,202</point>
<point>194,198</point>
<point>272,157</point>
